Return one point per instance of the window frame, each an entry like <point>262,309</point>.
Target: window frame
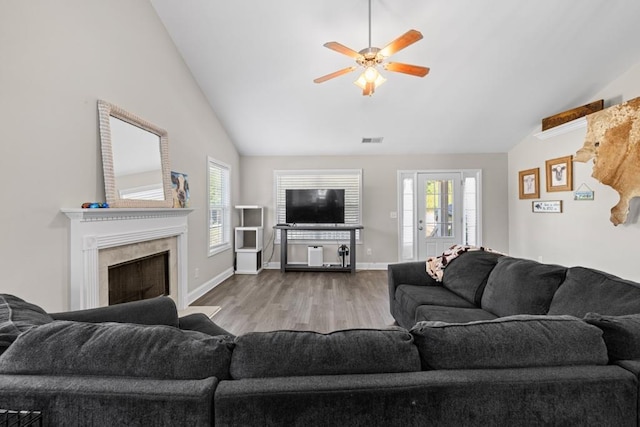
<point>224,207</point>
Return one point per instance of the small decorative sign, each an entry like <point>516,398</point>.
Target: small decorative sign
<point>547,206</point>
<point>583,193</point>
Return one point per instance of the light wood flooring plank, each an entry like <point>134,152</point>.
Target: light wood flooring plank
<point>310,301</point>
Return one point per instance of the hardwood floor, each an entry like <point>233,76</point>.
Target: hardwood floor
<point>320,302</point>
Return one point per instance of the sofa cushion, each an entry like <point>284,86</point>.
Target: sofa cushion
<point>586,290</point>
<point>521,286</point>
<point>300,353</point>
<point>412,296</point>
<point>159,310</point>
<point>451,314</point>
<point>117,349</point>
<point>467,274</point>
<point>621,334</point>
<point>509,342</point>
<point>17,316</point>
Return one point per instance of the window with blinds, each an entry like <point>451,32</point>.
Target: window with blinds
<point>350,180</point>
<point>219,207</point>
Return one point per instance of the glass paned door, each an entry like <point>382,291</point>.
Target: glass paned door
<point>439,218</point>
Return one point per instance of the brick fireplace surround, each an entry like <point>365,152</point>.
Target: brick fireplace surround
<point>101,237</point>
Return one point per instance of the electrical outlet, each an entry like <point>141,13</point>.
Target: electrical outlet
<point>369,251</point>
<point>393,215</point>
<point>196,273</point>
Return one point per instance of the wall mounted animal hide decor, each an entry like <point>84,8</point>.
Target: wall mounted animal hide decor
<point>613,142</point>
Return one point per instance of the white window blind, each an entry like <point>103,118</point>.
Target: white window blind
<point>219,207</point>
<point>348,179</point>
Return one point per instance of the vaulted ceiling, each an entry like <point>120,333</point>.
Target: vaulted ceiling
<point>497,68</point>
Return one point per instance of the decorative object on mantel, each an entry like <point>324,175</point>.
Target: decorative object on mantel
<point>180,189</point>
<point>547,206</point>
<point>529,183</point>
<point>583,193</point>
<point>94,205</point>
<point>570,115</point>
<point>559,174</point>
<point>613,142</point>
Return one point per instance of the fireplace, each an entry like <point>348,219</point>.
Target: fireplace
<point>103,238</point>
<point>138,279</point>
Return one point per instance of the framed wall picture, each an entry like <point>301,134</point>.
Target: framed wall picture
<point>560,174</point>
<point>180,189</point>
<point>547,206</point>
<point>529,183</point>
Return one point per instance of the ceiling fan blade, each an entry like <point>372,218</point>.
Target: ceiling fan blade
<point>334,74</point>
<point>408,38</point>
<point>414,70</point>
<point>340,48</point>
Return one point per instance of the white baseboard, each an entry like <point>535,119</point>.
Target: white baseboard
<point>208,285</point>
<point>359,266</point>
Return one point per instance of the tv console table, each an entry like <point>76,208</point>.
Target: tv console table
<point>284,231</point>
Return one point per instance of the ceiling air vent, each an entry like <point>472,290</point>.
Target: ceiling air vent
<point>376,140</point>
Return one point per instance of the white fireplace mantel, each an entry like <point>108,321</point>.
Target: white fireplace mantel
<point>95,229</point>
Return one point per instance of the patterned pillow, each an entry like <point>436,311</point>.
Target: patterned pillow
<point>17,316</point>
<point>436,265</point>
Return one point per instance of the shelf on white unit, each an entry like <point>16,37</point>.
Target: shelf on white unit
<point>563,128</point>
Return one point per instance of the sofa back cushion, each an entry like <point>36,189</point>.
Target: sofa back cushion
<point>621,334</point>
<point>17,316</point>
<point>509,342</point>
<point>300,353</point>
<point>586,290</point>
<point>521,286</point>
<point>467,274</point>
<point>117,349</point>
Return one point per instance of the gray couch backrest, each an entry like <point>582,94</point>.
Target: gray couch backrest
<point>467,275</point>
<point>302,353</point>
<point>521,286</point>
<point>586,290</point>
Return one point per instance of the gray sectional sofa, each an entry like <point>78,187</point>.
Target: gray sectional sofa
<point>139,364</point>
<point>481,285</point>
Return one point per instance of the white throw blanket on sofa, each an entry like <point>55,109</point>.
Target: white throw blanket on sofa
<point>437,264</point>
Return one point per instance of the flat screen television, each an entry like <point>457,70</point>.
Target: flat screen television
<point>315,206</point>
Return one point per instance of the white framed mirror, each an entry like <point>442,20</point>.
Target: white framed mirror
<point>135,160</point>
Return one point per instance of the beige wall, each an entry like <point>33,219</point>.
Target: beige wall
<point>582,234</point>
<point>58,59</point>
<point>380,195</point>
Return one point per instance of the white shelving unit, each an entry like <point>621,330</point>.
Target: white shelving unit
<point>249,239</point>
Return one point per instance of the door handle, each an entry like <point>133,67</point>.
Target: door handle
<point>420,228</point>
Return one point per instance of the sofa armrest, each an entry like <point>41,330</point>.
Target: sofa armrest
<point>408,273</point>
<point>153,311</point>
<point>200,322</point>
<point>72,401</point>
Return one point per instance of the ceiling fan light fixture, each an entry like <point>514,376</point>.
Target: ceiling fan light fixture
<point>369,58</point>
<point>370,74</point>
<point>373,78</point>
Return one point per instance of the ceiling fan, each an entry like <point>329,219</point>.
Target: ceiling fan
<point>369,58</point>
